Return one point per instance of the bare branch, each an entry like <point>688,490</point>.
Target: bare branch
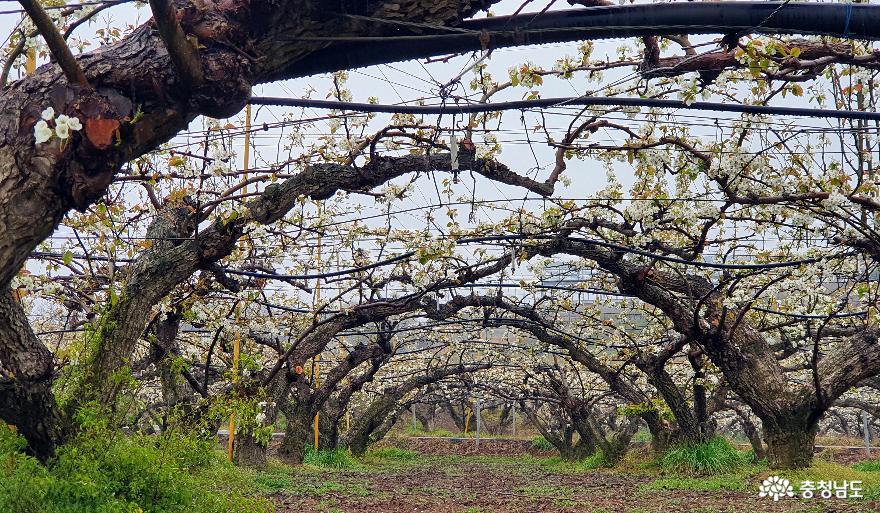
<point>183,54</point>
<point>56,42</point>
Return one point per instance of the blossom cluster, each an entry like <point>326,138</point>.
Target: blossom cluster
<point>64,125</point>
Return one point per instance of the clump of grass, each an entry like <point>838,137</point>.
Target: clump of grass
<point>868,466</point>
<point>273,482</point>
<point>749,456</point>
<point>595,460</point>
<point>542,444</point>
<point>714,456</point>
<point>104,472</point>
<point>337,459</point>
<point>395,453</point>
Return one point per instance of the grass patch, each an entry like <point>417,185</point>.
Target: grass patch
<point>336,459</point>
<point>829,471</point>
<point>712,457</point>
<point>868,466</point>
<point>542,444</point>
<point>101,472</point>
<point>273,482</point>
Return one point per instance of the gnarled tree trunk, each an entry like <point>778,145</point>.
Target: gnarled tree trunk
<point>373,423</point>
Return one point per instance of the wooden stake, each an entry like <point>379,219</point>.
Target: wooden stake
<point>236,343</point>
<point>318,414</point>
<point>30,64</point>
<point>317,302</point>
<point>478,407</point>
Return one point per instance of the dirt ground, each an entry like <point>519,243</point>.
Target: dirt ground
<point>518,484</point>
<point>466,446</point>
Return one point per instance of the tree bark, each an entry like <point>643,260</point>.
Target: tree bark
<point>26,374</point>
<point>358,438</point>
<point>790,447</point>
<point>250,452</point>
<point>370,426</point>
<point>789,412</point>
<point>297,434</point>
<point>752,434</point>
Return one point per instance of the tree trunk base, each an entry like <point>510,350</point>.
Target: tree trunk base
<point>296,437</point>
<point>790,449</point>
<point>249,452</point>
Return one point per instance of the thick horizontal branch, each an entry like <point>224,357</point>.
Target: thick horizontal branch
<point>812,58</point>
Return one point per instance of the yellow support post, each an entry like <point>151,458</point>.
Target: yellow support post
<point>236,356</point>
<point>317,430</point>
<point>236,343</point>
<point>30,64</point>
<point>317,384</point>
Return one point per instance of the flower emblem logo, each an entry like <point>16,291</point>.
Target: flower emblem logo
<point>776,487</point>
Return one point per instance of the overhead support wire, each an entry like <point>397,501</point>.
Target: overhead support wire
<point>549,103</point>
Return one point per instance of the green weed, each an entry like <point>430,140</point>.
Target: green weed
<point>868,466</point>
<point>115,474</point>
<point>337,459</point>
<point>394,453</point>
<point>715,456</point>
<point>542,444</point>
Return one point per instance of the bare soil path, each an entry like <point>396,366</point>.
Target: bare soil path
<point>525,484</point>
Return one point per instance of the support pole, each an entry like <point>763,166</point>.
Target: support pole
<point>30,64</point>
<point>514,420</point>
<point>236,343</point>
<point>478,409</point>
<point>866,428</point>
<point>317,429</point>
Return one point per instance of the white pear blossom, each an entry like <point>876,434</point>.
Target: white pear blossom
<point>74,124</point>
<point>836,202</point>
<point>42,132</point>
<point>62,131</point>
<point>68,123</point>
<point>48,114</point>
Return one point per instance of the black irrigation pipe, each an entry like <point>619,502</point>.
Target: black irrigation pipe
<point>546,103</point>
<point>852,21</point>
